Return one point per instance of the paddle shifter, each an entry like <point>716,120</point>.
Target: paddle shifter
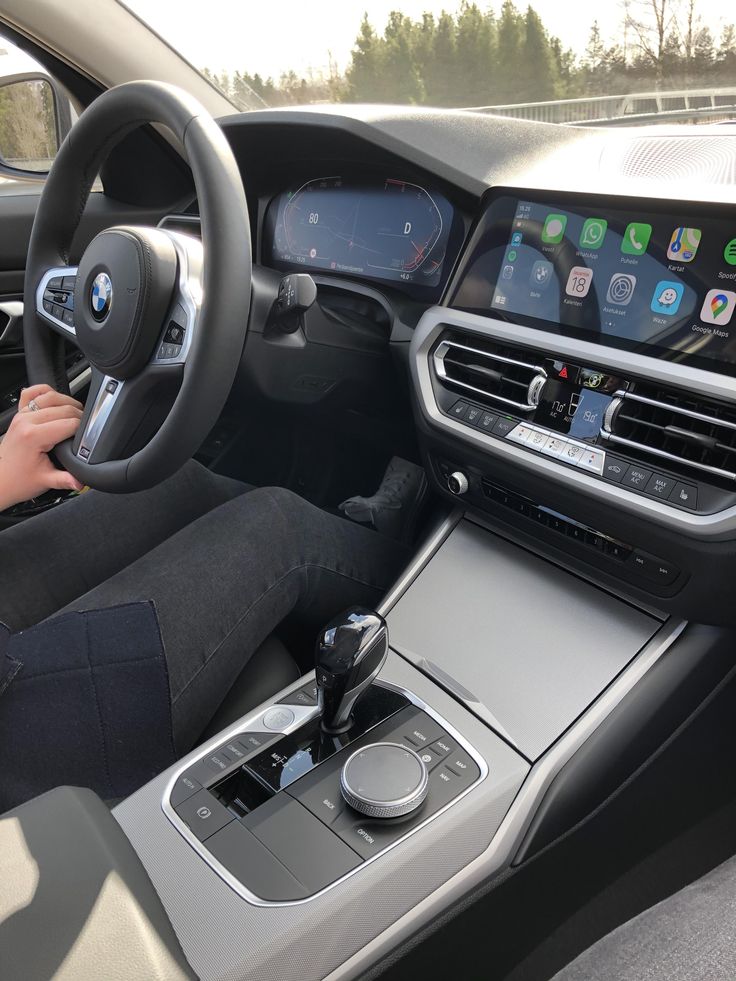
<point>350,652</point>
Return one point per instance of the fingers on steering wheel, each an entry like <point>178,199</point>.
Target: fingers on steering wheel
<point>33,392</point>
<point>51,398</point>
<point>56,431</point>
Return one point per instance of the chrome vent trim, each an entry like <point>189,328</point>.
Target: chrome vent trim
<point>538,374</point>
<point>621,398</point>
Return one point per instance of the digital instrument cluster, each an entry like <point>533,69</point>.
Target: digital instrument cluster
<point>388,229</point>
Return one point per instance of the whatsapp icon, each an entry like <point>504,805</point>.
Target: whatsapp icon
<point>593,233</point>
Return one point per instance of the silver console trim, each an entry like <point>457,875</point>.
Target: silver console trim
<point>254,723</point>
<point>716,526</point>
<point>610,437</point>
<point>101,410</point>
<point>507,840</point>
<point>622,398</point>
<point>441,370</point>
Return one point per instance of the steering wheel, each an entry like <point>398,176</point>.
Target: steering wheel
<point>161,316</point>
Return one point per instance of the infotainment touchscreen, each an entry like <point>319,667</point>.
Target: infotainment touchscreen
<point>656,277</point>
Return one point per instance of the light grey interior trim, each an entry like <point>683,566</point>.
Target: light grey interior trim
<point>255,723</point>
<point>501,644</point>
<point>12,334</point>
<point>718,526</point>
<point>425,553</point>
<point>515,824</point>
<point>47,276</point>
<point>79,381</point>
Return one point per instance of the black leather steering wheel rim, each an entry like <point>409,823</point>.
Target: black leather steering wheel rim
<point>217,344</point>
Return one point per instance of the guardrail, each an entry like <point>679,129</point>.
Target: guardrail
<point>604,107</point>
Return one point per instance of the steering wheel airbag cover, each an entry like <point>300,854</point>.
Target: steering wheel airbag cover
<point>217,344</point>
<point>124,286</point>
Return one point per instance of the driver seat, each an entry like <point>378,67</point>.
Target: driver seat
<point>270,669</point>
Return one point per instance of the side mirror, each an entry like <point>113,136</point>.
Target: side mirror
<point>35,116</point>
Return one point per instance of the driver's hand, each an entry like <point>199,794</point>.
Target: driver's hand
<point>25,468</point>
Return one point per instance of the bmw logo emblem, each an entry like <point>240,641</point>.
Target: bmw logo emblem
<point>100,297</point>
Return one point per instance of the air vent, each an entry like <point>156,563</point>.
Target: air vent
<point>500,376</point>
<point>675,426</point>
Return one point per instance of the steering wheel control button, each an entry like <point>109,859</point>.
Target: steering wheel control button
<point>384,780</point>
<point>204,814</point>
<point>184,787</point>
<point>278,719</point>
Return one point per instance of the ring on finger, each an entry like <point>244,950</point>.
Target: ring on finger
<point>33,406</point>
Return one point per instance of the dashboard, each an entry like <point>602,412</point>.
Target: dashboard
<point>565,302</point>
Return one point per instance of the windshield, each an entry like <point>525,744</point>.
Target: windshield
<point>634,61</point>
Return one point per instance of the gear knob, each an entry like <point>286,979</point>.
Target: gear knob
<point>350,652</point>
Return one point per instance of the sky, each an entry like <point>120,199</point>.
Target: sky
<point>273,36</point>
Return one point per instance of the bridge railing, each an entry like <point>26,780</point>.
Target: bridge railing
<point>605,107</point>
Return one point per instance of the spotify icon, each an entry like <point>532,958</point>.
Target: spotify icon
<point>729,253</point>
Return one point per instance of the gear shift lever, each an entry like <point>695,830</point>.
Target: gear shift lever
<point>350,652</point>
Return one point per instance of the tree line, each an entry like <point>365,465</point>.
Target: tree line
<point>477,57</point>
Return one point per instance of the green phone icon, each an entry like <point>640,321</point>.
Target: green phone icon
<point>593,233</point>
<point>554,229</point>
<point>636,238</point>
<point>729,253</point>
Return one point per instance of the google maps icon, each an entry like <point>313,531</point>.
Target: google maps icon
<point>718,307</point>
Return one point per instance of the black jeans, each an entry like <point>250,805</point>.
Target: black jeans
<point>223,565</point>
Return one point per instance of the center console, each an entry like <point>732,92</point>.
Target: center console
<point>575,396</point>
